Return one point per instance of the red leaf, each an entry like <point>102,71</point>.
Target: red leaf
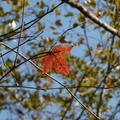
<point>55,59</point>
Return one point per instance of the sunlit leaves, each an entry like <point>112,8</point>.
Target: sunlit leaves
<point>56,10</point>
<point>40,28</point>
<point>69,14</point>
<point>81,17</point>
<point>106,52</point>
<point>96,27</point>
<point>23,3</point>
<point>91,3</point>
<point>117,44</point>
<point>40,4</point>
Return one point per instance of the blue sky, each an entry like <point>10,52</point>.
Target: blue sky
<point>77,51</point>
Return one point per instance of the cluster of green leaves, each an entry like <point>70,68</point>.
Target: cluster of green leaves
<point>94,64</point>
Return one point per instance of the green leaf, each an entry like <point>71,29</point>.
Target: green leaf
<point>69,14</point>
<point>103,31</point>
<point>40,4</point>
<point>80,41</point>
<point>53,28</point>
<point>80,17</point>
<point>96,27</point>
<point>2,12</point>
<point>54,32</point>
<point>91,3</point>
<point>58,23</point>
<point>62,39</point>
<point>75,24</point>
<point>22,3</point>
<point>40,13</point>
<point>56,10</point>
<point>40,28</point>
<point>117,45</point>
<point>106,52</point>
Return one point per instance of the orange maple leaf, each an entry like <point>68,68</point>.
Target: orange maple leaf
<point>55,59</point>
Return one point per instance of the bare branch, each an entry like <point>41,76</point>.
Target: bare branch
<point>92,17</point>
<point>31,23</point>
<point>85,107</point>
<point>22,27</point>
<point>53,88</point>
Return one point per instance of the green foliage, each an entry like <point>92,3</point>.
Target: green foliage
<point>81,17</point>
<point>2,12</point>
<point>90,3</point>
<point>69,14</point>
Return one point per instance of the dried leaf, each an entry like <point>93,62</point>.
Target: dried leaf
<point>55,59</point>
<point>89,9</point>
<point>97,13</point>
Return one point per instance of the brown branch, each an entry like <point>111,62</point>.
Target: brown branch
<point>91,16</point>
<point>53,88</point>
<point>85,107</point>
<point>31,23</point>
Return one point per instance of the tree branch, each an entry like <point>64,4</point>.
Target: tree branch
<point>31,23</point>
<point>85,107</point>
<point>92,17</point>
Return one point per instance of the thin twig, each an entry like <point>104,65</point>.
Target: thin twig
<point>55,81</point>
<point>92,17</point>
<point>63,34</point>
<point>12,73</point>
<point>54,88</point>
<point>22,44</point>
<point>31,23</point>
<point>20,33</point>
